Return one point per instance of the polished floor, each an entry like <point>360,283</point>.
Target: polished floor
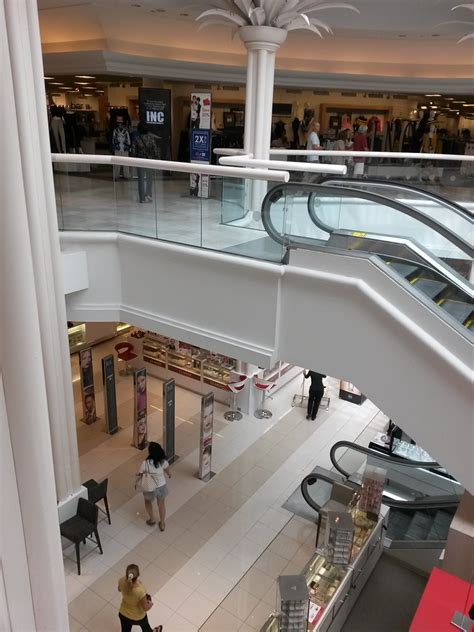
<point>226,541</point>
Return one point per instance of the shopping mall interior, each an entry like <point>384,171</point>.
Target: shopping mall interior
<point>242,230</point>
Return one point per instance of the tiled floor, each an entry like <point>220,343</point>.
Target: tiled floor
<point>226,541</point>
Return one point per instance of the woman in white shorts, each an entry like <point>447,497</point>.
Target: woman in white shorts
<point>157,465</point>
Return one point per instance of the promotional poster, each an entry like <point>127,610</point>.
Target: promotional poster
<point>87,386</point>
<point>205,444</point>
<point>200,141</point>
<point>155,112</point>
<point>110,398</point>
<point>169,388</point>
<point>140,426</point>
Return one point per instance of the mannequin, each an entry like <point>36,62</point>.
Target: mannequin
<point>121,146</point>
<point>57,128</point>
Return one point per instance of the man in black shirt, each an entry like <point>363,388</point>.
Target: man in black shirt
<point>316,392</point>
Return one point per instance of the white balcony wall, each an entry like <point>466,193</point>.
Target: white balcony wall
<point>343,316</point>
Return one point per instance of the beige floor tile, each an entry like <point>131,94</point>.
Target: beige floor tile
<point>215,588</point>
<point>246,628</point>
<point>275,518</point>
<point>74,625</point>
<point>173,594</point>
<point>256,582</point>
<point>86,606</point>
<point>160,613</point>
<point>270,597</point>
<point>106,619</point>
<point>221,621</point>
<point>285,546</point>
<point>154,578</point>
<point>106,586</point>
<point>240,603</point>
<point>300,531</point>
<point>189,543</point>
<point>180,624</point>
<point>271,563</point>
<point>216,488</point>
<point>130,558</point>
<point>261,534</point>
<point>172,532</point>
<point>201,502</point>
<point>171,560</point>
<point>151,547</point>
<point>206,526</point>
<point>259,615</point>
<point>232,568</point>
<point>197,609</point>
<point>185,517</point>
<point>235,498</point>
<point>192,574</point>
<point>131,536</point>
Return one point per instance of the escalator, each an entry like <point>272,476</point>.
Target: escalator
<point>423,240</point>
<point>421,496</point>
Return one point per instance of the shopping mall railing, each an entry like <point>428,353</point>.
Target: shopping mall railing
<point>185,203</point>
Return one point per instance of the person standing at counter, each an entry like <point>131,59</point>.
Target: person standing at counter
<point>316,392</point>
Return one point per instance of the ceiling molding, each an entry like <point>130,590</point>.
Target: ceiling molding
<point>106,61</point>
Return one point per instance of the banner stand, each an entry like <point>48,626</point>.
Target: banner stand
<point>169,425</point>
<point>140,421</point>
<point>110,396</point>
<point>205,472</point>
<point>89,413</point>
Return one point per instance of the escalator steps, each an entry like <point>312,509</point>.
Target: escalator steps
<point>398,523</point>
<point>404,269</point>
<point>430,287</point>
<point>419,527</point>
<point>460,311</point>
<point>440,527</point>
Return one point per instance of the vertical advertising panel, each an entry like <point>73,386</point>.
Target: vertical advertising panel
<point>110,397</point>
<point>155,112</point>
<point>200,141</point>
<point>140,425</point>
<point>87,386</point>
<point>169,420</point>
<point>205,444</point>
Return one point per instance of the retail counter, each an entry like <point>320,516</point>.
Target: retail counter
<point>335,588</point>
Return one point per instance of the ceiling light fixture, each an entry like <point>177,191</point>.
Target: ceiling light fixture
<point>82,83</point>
<point>433,95</point>
<point>85,77</point>
<point>459,101</point>
<point>48,78</point>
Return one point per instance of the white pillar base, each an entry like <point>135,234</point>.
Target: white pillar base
<point>67,508</point>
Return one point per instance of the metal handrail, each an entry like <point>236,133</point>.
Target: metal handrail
<point>356,183</point>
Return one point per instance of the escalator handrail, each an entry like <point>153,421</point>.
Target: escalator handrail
<point>379,455</point>
<point>432,223</point>
<point>452,206</point>
<point>426,502</point>
<point>313,189</point>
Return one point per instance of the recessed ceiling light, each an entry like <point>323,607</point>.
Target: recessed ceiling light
<point>88,95</point>
<point>423,107</point>
<point>56,83</point>
<point>459,101</point>
<point>48,78</point>
<point>432,95</point>
<point>84,77</point>
<point>82,83</point>
<point>468,105</point>
<point>449,98</point>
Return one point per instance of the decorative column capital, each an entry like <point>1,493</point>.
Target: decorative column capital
<point>262,37</point>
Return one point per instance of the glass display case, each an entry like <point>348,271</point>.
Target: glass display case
<point>188,360</point>
<point>77,336</point>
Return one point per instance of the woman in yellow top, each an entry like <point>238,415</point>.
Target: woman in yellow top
<point>134,606</point>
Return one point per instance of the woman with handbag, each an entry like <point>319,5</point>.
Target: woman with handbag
<point>135,602</point>
<point>152,482</point>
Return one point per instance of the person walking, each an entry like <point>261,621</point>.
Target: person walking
<point>135,602</point>
<point>360,144</point>
<point>312,143</point>
<point>156,465</point>
<point>316,392</point>
<point>145,145</point>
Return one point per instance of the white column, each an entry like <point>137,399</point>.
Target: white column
<point>29,101</point>
<point>34,358</point>
<point>261,42</point>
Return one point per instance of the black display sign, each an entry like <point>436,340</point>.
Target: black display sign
<point>169,420</point>
<point>110,398</point>
<point>155,112</point>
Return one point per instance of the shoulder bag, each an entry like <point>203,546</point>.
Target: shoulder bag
<point>145,481</point>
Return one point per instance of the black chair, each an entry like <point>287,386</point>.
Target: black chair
<point>81,527</point>
<point>96,492</point>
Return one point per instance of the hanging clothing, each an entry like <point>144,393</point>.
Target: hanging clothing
<point>57,127</point>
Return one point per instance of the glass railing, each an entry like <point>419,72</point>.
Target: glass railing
<point>166,205</point>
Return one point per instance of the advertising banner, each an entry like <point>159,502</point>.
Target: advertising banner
<point>110,398</point>
<point>155,112</point>
<point>87,386</point>
<point>169,420</point>
<point>205,444</point>
<point>200,141</point>
<point>140,425</point>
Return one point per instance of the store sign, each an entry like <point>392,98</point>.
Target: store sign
<point>201,145</point>
<point>155,112</point>
<point>205,444</point>
<point>110,396</point>
<point>89,414</point>
<point>200,141</point>
<point>169,388</point>
<point>140,422</point>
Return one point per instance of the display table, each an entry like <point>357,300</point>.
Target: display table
<point>444,595</point>
<point>335,588</point>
